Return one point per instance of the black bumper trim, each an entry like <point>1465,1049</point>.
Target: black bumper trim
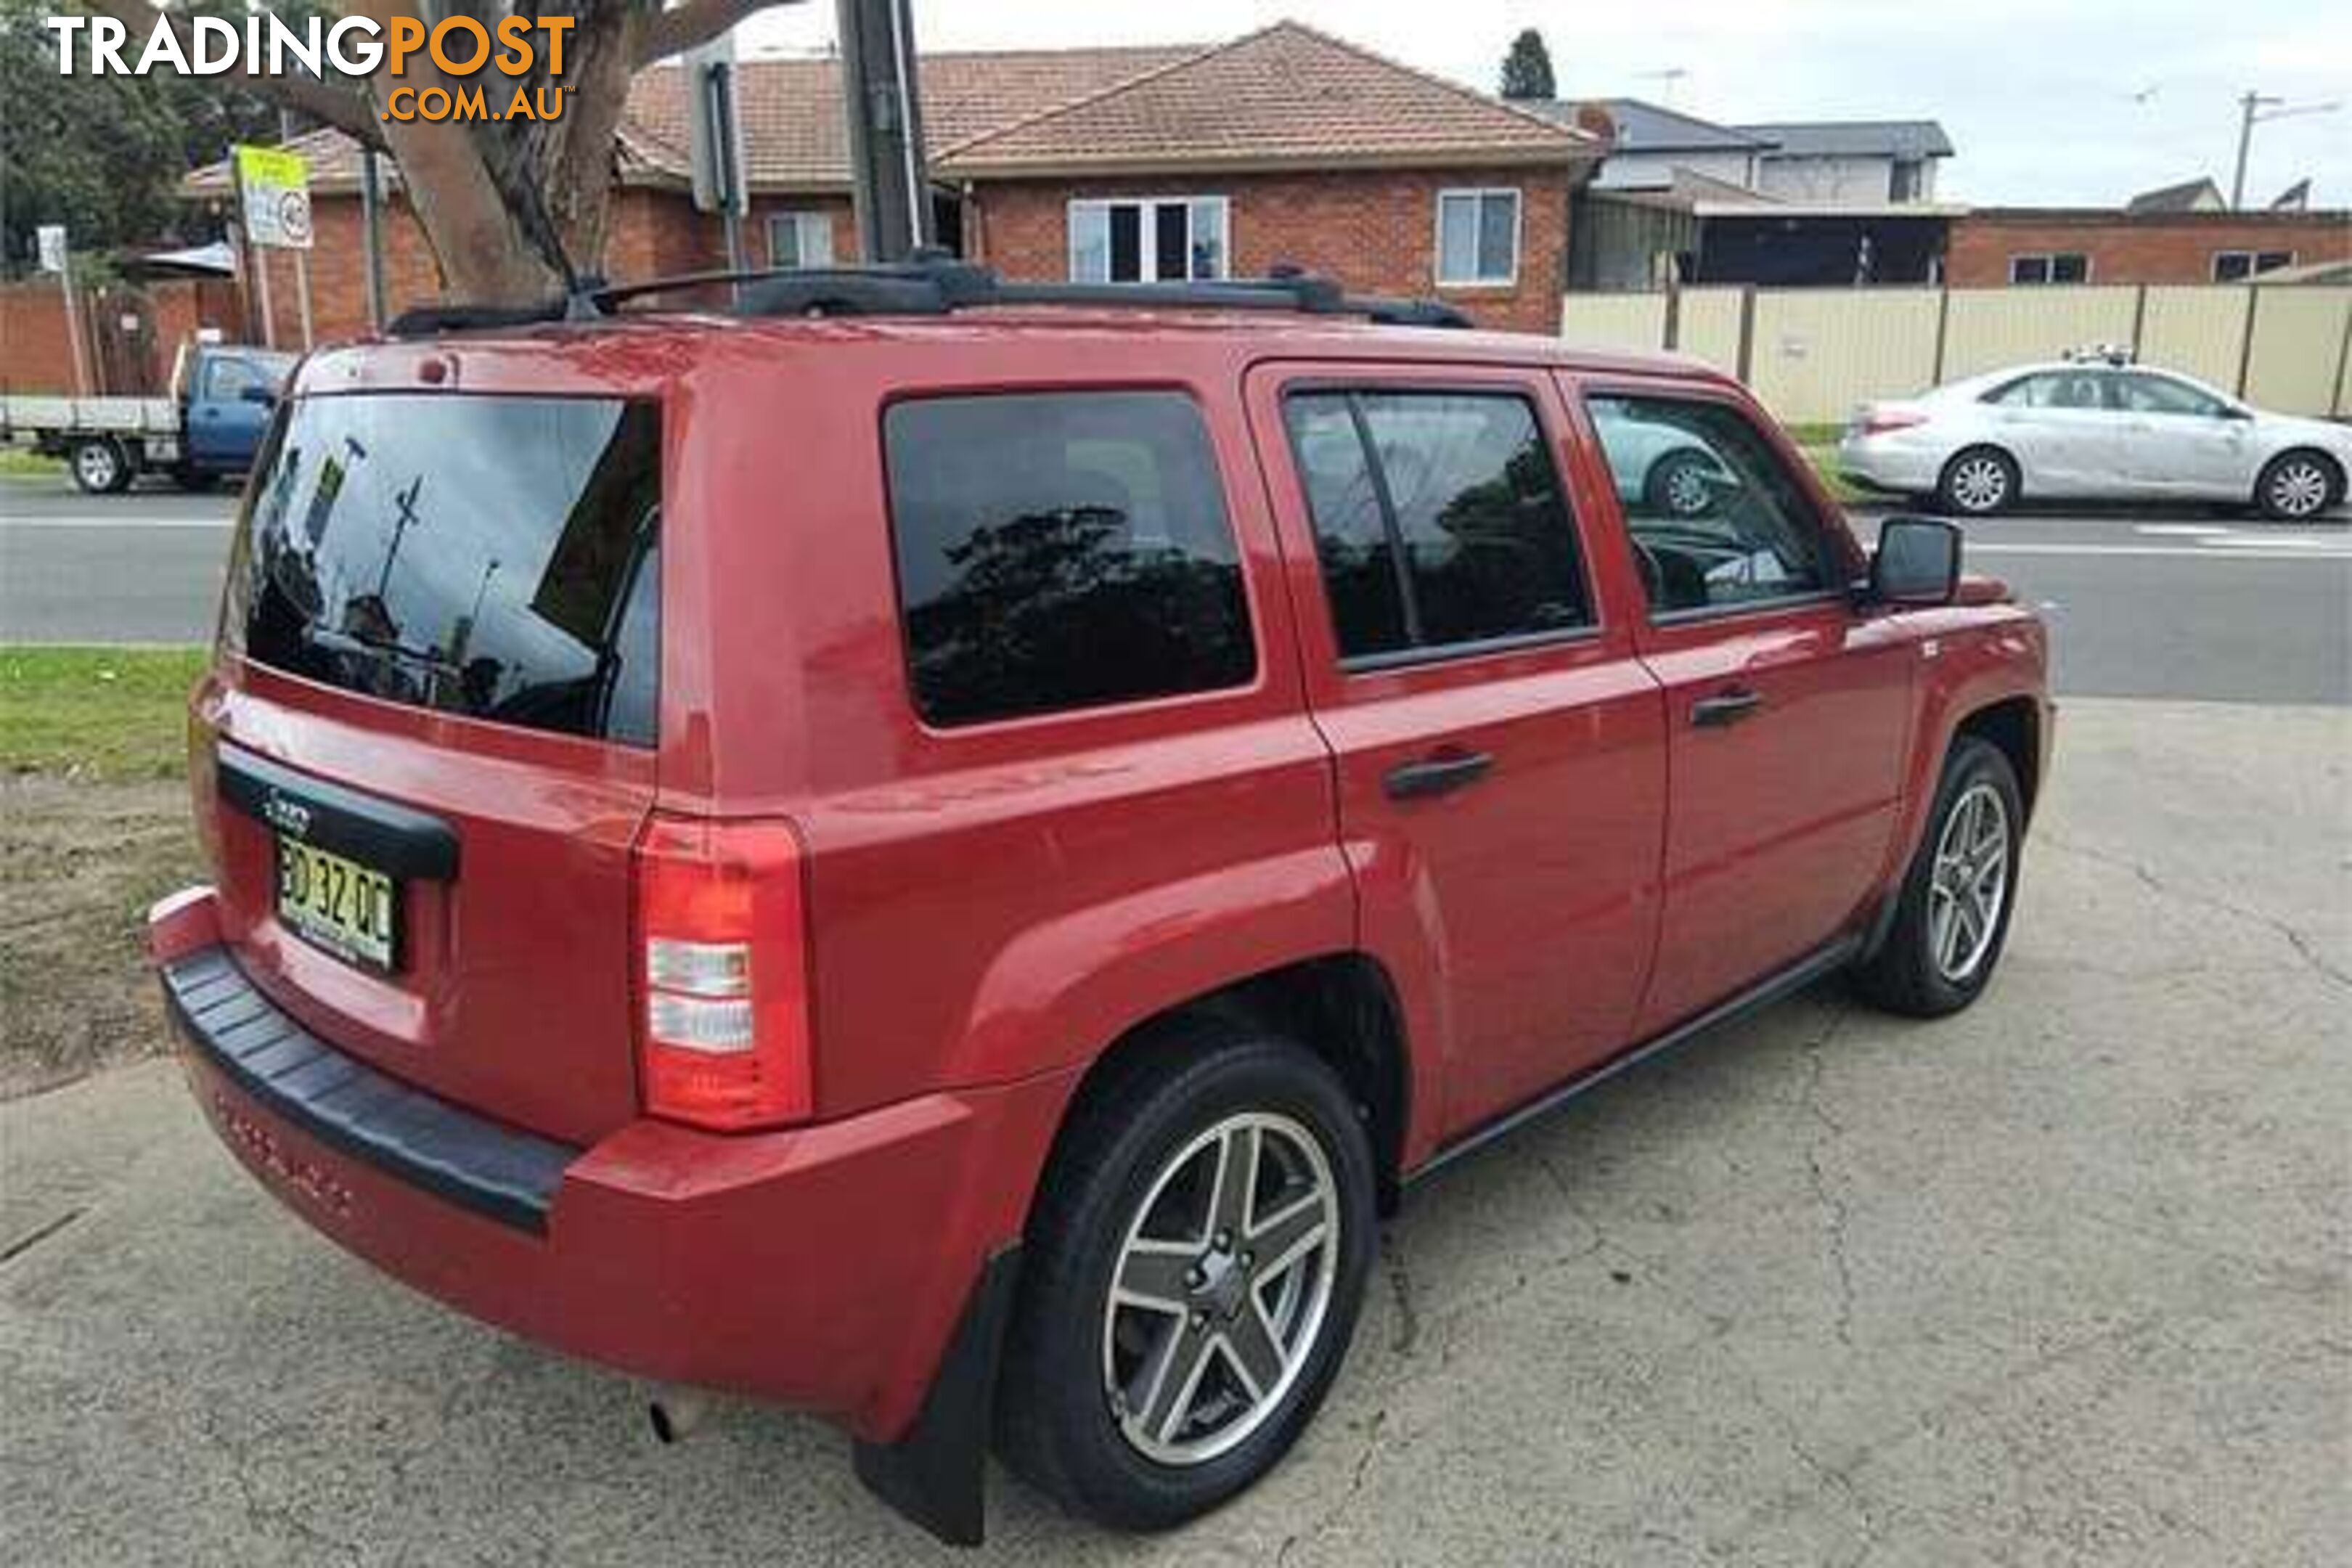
<point>502,1173</point>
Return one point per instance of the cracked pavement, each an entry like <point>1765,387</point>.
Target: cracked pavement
<point>2062,1280</point>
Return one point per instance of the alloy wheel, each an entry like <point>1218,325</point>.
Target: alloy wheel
<point>96,465</point>
<point>1981,484</point>
<point>2298,488</point>
<point>1968,883</point>
<point>1220,1288</point>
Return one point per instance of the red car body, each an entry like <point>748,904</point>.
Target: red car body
<point>988,909</point>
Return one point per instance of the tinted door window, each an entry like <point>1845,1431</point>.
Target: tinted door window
<point>1438,517</point>
<point>1062,550</point>
<point>1715,520</point>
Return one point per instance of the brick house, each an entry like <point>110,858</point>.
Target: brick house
<point>1286,146</point>
<point>1995,247</point>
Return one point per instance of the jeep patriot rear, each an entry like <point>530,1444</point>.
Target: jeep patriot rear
<point>944,865</point>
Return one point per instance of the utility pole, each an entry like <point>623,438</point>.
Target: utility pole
<point>881,97</point>
<point>2258,108</point>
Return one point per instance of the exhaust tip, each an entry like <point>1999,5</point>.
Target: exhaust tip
<point>675,1413</point>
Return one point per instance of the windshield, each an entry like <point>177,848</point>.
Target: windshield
<point>493,557</point>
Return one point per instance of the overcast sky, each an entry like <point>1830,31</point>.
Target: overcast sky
<point>2047,102</point>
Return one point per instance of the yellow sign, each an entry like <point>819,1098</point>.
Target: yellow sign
<point>274,188</point>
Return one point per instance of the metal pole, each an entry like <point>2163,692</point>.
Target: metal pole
<point>302,294</point>
<point>372,216</point>
<point>73,326</point>
<point>261,281</point>
<point>2246,107</point>
<point>882,99</point>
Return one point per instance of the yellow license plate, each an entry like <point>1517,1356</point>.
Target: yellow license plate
<point>341,905</point>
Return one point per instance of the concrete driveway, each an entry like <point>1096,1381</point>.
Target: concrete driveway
<point>2059,1281</point>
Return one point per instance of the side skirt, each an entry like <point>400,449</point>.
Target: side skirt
<point>936,1474</point>
<point>1773,988</point>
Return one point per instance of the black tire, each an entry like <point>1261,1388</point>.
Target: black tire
<point>1978,481</point>
<point>1680,484</point>
<point>1906,975</point>
<point>2298,486</point>
<point>1056,1423</point>
<point>99,465</point>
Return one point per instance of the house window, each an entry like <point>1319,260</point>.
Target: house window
<point>2237,266</point>
<point>1477,238</point>
<point>799,240</point>
<point>1159,240</point>
<point>1906,182</point>
<point>2064,266</point>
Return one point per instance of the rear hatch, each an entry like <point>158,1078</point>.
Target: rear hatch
<point>427,746</point>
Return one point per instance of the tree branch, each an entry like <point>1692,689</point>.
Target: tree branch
<point>333,101</point>
<point>682,26</point>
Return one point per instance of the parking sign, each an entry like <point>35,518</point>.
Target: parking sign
<point>274,189</point>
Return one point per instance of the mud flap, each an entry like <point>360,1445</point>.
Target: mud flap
<point>936,1474</point>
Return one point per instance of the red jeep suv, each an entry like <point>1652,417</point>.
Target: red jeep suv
<point>941,850</point>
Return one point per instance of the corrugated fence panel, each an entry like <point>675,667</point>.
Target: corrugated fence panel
<point>1989,328</point>
<point>2297,350</point>
<point>1817,353</point>
<point>1710,327</point>
<point>2195,329</point>
<point>1614,320</point>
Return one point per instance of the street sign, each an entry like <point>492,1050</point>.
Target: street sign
<point>274,187</point>
<point>51,238</point>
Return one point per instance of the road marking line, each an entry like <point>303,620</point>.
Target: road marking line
<point>2182,530</point>
<point>2256,542</point>
<point>2172,551</point>
<point>118,522</point>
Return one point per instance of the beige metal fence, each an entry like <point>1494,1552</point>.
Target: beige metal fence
<point>1811,355</point>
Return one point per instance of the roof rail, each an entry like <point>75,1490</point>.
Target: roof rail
<point>933,283</point>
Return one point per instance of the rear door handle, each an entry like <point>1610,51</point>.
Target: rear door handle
<point>1725,707</point>
<point>1439,775</point>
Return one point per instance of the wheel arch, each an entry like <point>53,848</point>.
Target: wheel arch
<point>1342,1007</point>
<point>2313,449</point>
<point>2012,725</point>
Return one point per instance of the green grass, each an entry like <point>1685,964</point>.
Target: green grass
<point>23,463</point>
<point>111,714</point>
<point>1818,443</point>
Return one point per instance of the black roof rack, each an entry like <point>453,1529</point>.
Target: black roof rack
<point>936,284</point>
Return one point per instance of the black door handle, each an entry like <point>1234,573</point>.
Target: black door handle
<point>1725,707</point>
<point>1439,775</point>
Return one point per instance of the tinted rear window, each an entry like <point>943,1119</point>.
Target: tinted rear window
<point>1060,550</point>
<point>489,556</point>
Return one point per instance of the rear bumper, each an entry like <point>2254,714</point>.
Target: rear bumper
<point>822,1266</point>
<point>1890,463</point>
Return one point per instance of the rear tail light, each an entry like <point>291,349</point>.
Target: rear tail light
<point>723,1016</point>
<point>1880,421</point>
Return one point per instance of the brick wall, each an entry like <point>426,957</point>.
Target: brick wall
<point>36,355</point>
<point>1375,231</point>
<point>2171,248</point>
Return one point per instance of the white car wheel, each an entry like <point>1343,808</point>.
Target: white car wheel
<point>2296,487</point>
<point>1979,482</point>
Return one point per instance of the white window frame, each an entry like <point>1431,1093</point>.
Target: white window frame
<point>802,220</point>
<point>1147,249</point>
<point>2254,268</point>
<point>2049,259</point>
<point>1480,193</point>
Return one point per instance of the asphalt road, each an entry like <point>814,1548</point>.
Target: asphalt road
<point>2060,1281</point>
<point>2185,604</point>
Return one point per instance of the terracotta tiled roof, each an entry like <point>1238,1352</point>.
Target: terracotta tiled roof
<point>794,135</point>
<point>1286,95</point>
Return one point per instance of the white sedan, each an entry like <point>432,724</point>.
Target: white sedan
<point>2095,429</point>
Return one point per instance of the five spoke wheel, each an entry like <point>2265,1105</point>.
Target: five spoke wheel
<point>1968,882</point>
<point>1221,1286</point>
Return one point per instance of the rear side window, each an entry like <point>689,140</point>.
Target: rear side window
<point>1439,520</point>
<point>492,557</point>
<point>1060,551</point>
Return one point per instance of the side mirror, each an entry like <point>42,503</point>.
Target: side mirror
<point>1918,561</point>
<point>2232,411</point>
<point>252,394</point>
